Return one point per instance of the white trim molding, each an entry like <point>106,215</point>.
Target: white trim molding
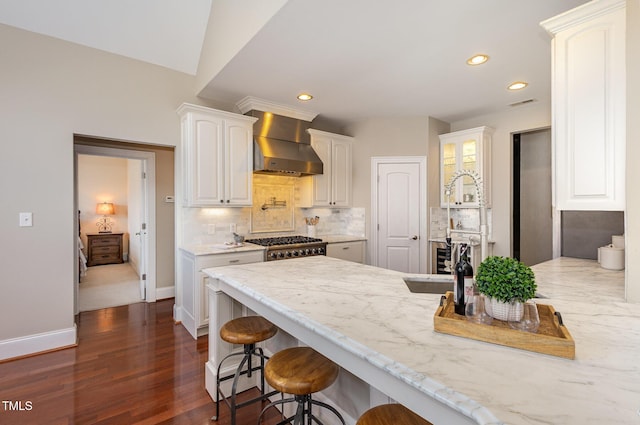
<point>38,343</point>
<point>165,292</point>
<point>249,103</point>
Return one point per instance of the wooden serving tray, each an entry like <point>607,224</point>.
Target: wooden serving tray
<point>552,337</point>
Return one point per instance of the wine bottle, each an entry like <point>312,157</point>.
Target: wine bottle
<point>463,281</point>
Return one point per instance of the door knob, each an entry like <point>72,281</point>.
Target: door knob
<point>415,238</point>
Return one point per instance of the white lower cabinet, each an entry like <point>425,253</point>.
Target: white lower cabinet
<point>194,311</point>
<point>350,251</point>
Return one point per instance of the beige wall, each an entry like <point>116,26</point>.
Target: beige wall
<point>52,90</point>
<point>632,216</point>
<point>383,137</point>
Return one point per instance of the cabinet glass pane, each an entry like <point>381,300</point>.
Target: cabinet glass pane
<point>449,154</point>
<point>469,163</point>
<point>449,167</point>
<point>469,154</point>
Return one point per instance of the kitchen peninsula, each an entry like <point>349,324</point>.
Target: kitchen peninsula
<point>365,319</point>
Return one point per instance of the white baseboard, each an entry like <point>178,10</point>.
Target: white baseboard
<point>33,344</point>
<point>165,292</point>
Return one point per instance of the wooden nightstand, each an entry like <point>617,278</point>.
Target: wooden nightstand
<point>104,248</point>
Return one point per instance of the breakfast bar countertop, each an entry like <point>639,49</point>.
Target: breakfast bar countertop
<point>365,316</point>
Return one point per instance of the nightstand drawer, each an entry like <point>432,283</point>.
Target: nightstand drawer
<point>100,250</point>
<point>105,259</point>
<point>106,240</point>
<point>104,248</point>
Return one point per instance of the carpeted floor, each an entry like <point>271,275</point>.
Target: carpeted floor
<point>108,286</point>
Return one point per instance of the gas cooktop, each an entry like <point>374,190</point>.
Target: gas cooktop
<point>284,240</point>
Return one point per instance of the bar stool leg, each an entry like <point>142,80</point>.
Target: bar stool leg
<point>273,404</point>
<point>326,406</point>
<point>218,380</point>
<point>249,351</point>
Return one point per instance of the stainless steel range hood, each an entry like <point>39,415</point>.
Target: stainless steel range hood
<point>283,146</point>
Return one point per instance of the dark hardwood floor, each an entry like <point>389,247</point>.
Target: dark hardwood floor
<point>133,365</point>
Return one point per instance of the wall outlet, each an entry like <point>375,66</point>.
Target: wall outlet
<point>211,229</point>
<point>26,219</point>
<point>233,228</point>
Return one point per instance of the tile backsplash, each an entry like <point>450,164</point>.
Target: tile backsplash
<point>273,214</point>
<point>464,218</point>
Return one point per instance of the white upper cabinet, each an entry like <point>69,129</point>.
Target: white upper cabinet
<point>333,187</point>
<point>589,117</point>
<point>217,157</point>
<point>465,150</point>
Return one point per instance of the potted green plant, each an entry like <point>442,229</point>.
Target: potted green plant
<point>507,283</point>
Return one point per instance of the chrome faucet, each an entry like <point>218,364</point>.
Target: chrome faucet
<point>477,182</point>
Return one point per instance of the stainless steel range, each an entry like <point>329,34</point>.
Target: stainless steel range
<point>285,247</point>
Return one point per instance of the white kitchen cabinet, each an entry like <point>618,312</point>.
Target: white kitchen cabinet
<point>589,117</point>
<point>194,311</point>
<point>217,157</point>
<point>333,187</point>
<point>350,251</point>
<point>465,150</point>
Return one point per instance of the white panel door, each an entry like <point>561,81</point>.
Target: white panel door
<point>341,173</point>
<point>399,211</point>
<point>322,182</point>
<point>208,160</point>
<point>239,162</point>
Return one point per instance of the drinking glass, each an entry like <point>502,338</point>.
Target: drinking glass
<point>530,320</point>
<point>475,310</point>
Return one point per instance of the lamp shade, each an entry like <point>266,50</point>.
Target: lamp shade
<point>105,208</point>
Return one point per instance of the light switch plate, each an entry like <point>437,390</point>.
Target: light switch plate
<point>26,219</point>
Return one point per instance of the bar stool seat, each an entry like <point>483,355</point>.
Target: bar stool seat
<point>388,414</point>
<point>247,331</point>
<point>301,371</point>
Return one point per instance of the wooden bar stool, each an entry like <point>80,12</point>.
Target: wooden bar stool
<point>246,331</point>
<point>387,414</point>
<point>300,371</point>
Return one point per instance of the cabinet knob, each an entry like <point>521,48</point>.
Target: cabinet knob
<point>222,201</point>
<point>228,201</point>
<point>415,237</point>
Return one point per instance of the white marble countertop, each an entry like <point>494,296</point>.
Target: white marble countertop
<point>341,238</point>
<point>369,313</point>
<point>220,248</point>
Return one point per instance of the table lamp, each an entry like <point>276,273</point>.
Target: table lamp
<point>104,223</point>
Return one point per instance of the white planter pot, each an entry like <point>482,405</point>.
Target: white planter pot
<point>503,311</point>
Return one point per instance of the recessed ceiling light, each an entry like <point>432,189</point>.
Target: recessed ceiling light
<point>477,59</point>
<point>518,85</point>
<point>304,97</point>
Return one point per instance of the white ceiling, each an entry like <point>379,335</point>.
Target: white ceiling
<point>359,58</point>
<point>163,32</point>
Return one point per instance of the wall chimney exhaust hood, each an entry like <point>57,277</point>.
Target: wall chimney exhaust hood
<point>283,146</point>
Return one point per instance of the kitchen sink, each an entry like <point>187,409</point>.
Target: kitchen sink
<point>436,284</point>
<point>430,284</point>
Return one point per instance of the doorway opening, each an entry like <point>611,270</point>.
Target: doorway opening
<point>532,221</point>
<point>120,257</point>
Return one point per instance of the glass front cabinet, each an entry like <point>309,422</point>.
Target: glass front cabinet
<point>465,150</point>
